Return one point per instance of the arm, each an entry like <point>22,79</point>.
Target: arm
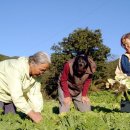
<point>85,90</point>
<point>86,86</point>
<point>35,98</point>
<point>16,93</point>
<point>64,79</point>
<point>118,71</point>
<point>15,89</point>
<point>64,84</point>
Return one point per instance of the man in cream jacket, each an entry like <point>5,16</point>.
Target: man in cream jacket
<point>20,86</point>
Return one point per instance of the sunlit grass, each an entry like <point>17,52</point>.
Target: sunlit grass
<point>105,115</point>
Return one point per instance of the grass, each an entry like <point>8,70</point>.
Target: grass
<point>105,115</point>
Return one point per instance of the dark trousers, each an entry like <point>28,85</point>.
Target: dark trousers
<point>8,107</point>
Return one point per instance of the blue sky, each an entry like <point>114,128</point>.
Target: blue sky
<point>28,26</point>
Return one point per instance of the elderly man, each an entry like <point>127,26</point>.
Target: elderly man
<point>20,84</point>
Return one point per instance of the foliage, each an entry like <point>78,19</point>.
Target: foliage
<point>108,72</point>
<point>110,68</point>
<point>105,115</point>
<point>120,85</point>
<point>3,57</point>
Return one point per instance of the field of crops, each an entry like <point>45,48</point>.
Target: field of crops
<point>105,115</point>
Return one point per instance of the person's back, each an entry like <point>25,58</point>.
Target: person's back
<point>8,64</point>
<point>9,70</point>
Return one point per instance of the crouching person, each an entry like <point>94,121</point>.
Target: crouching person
<point>74,82</point>
<point>20,85</point>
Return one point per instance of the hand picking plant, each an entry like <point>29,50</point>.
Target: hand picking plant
<point>120,85</point>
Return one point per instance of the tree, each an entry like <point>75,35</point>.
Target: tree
<point>80,41</point>
<point>3,57</point>
<point>111,67</point>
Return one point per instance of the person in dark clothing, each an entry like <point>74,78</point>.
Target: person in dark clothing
<point>74,82</point>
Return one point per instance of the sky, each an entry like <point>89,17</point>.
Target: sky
<point>29,26</point>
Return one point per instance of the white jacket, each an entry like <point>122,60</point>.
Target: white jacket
<point>118,71</point>
<point>15,83</point>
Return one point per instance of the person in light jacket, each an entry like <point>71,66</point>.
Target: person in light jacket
<point>20,84</point>
<point>74,82</point>
<point>123,68</point>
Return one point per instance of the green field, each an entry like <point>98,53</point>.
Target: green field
<point>105,115</point>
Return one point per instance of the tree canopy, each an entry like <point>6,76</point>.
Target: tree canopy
<point>80,41</point>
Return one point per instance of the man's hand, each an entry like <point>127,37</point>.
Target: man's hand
<point>67,100</point>
<point>85,99</point>
<point>35,116</point>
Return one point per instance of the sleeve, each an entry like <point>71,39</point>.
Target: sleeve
<point>118,70</point>
<point>35,98</point>
<point>86,86</point>
<point>125,65</point>
<point>15,89</point>
<point>64,79</point>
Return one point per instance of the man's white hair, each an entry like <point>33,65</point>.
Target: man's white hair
<point>40,58</point>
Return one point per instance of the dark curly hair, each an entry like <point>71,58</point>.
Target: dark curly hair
<point>80,64</point>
